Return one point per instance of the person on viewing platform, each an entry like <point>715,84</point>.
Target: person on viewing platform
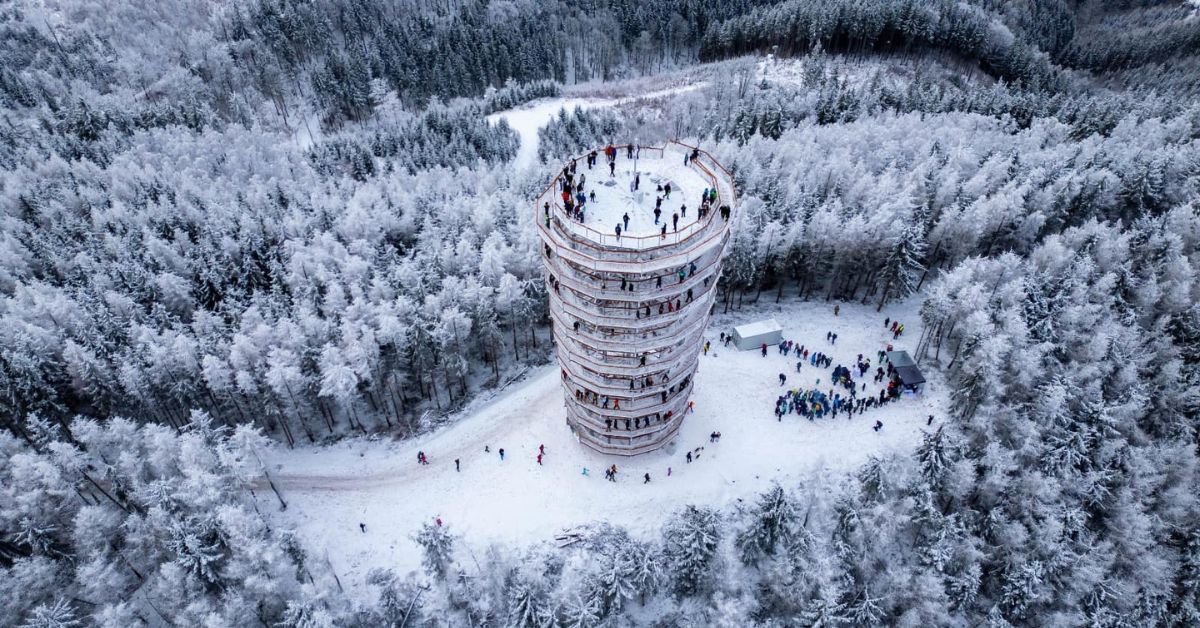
<point>618,230</point>
<point>683,210</point>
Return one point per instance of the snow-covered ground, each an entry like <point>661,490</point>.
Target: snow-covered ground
<point>615,195</point>
<point>529,117</point>
<point>330,490</point>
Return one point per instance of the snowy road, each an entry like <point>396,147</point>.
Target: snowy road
<point>332,489</point>
<point>528,118</point>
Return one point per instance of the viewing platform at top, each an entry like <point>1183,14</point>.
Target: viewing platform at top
<point>586,232</point>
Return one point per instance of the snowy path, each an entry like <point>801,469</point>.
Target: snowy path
<point>332,489</point>
<point>531,116</point>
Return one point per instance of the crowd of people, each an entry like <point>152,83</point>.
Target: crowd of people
<point>575,197</point>
<point>846,392</point>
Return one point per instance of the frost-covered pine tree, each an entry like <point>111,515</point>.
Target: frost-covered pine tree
<point>437,549</point>
<point>59,614</point>
<point>690,540</point>
<point>528,604</point>
<point>581,611</point>
<point>903,266</point>
<point>933,457</point>
<point>305,613</point>
<point>398,602</point>
<point>770,526</point>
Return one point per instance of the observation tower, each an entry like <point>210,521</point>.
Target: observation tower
<point>629,309</point>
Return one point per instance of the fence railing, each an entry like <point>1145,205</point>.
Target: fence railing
<point>631,249</point>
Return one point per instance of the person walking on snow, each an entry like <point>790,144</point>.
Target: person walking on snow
<point>706,345</point>
<point>363,527</point>
<point>675,222</point>
<point>542,449</point>
<point>782,379</point>
<point>438,519</point>
<point>501,454</point>
<point>456,467</point>
<point>667,191</point>
<point>539,459</point>
<point>764,349</point>
<point>585,472</point>
<point>647,480</point>
<point>625,219</point>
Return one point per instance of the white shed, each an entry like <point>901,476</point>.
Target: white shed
<point>754,335</point>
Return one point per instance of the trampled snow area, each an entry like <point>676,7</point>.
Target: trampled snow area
<point>615,195</point>
<point>330,490</point>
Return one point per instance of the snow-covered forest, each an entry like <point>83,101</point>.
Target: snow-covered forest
<point>236,228</point>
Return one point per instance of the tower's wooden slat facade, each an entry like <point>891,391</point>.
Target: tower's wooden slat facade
<point>627,369</point>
